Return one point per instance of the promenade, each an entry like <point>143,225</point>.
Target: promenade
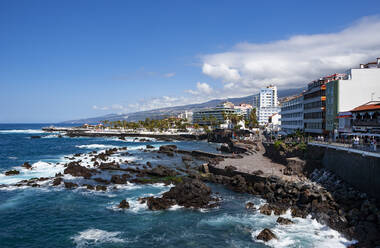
<point>359,149</point>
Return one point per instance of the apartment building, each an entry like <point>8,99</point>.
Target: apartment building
<point>292,114</point>
<point>266,104</point>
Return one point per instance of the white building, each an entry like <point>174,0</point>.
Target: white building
<point>218,114</point>
<point>292,114</point>
<point>188,115</point>
<point>275,122</point>
<point>266,104</point>
<point>244,109</point>
<point>358,86</point>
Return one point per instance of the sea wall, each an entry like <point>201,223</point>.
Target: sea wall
<point>362,172</point>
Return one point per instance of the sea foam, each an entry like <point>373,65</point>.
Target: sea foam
<point>96,146</point>
<point>31,131</point>
<point>93,236</point>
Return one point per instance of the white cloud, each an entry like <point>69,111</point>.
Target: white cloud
<point>295,61</point>
<point>169,75</point>
<point>99,108</point>
<point>202,89</point>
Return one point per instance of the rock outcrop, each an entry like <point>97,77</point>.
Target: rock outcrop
<point>266,235</point>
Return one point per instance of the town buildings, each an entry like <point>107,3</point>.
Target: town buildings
<point>266,104</point>
<point>292,114</point>
<point>366,118</point>
<point>244,110</point>
<point>355,87</point>
<point>209,115</point>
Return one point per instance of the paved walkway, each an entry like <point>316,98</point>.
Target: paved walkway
<point>256,161</point>
<point>344,147</point>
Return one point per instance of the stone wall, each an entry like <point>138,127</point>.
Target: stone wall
<point>362,172</point>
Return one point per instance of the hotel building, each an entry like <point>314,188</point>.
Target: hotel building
<point>266,104</point>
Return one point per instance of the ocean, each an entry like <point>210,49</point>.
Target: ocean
<point>58,217</point>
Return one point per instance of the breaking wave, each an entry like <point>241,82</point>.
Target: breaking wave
<point>93,236</point>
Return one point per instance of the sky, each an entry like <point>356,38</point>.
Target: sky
<point>65,60</point>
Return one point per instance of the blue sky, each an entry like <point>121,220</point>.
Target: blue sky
<point>62,60</point>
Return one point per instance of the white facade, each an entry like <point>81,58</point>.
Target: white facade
<point>202,116</point>
<point>275,122</point>
<point>292,115</point>
<point>188,115</point>
<point>244,109</point>
<point>361,86</point>
<point>266,104</point>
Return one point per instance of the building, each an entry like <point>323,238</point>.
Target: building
<point>292,114</point>
<point>244,109</point>
<point>344,122</point>
<point>351,89</point>
<point>266,104</point>
<point>217,114</point>
<point>366,118</point>
<point>187,115</point>
<point>274,122</point>
<point>314,106</point>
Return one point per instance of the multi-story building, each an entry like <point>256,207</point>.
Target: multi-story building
<point>187,115</point>
<point>266,104</point>
<point>351,89</point>
<point>218,114</point>
<point>244,110</point>
<point>292,114</point>
<point>314,105</point>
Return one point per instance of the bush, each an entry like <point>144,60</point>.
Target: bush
<point>278,144</point>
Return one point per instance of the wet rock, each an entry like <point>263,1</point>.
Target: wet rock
<point>101,188</point>
<point>250,206</point>
<point>159,203</point>
<point>284,221</point>
<point>74,169</point>
<point>26,165</point>
<point>149,147</point>
<point>238,183</point>
<point>57,181</point>
<point>35,137</point>
<point>162,171</point>
<point>149,164</point>
<point>12,172</point>
<point>267,209</point>
<point>70,185</point>
<point>266,235</point>
<point>187,158</point>
<point>190,193</point>
<point>123,204</point>
<point>117,179</point>
<point>101,180</point>
<point>168,149</point>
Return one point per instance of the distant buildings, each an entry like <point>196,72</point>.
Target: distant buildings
<point>188,115</point>
<point>205,116</point>
<point>266,104</point>
<point>244,110</point>
<point>292,114</point>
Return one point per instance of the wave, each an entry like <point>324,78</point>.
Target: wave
<point>96,146</point>
<point>93,236</point>
<point>31,131</point>
<point>39,169</point>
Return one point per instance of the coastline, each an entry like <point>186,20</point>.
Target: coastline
<point>265,185</point>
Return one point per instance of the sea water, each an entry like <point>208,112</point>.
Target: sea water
<point>57,217</point>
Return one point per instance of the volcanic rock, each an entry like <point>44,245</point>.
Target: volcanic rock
<point>124,204</point>
<point>74,169</point>
<point>266,235</point>
<point>162,171</point>
<point>12,172</point>
<point>57,181</point>
<point>27,166</point>
<point>250,206</point>
<point>284,221</point>
<point>70,185</point>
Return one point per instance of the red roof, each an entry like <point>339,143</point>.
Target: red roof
<point>373,105</point>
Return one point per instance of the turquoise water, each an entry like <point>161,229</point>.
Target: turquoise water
<point>57,217</point>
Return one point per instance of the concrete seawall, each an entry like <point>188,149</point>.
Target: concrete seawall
<point>362,172</point>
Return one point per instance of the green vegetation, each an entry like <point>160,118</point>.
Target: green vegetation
<point>149,124</point>
<point>278,143</point>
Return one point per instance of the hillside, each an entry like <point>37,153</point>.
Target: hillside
<point>162,112</point>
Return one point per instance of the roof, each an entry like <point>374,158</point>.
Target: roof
<point>372,105</point>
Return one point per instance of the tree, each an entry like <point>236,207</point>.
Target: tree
<point>253,119</point>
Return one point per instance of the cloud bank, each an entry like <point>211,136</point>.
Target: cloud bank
<point>295,61</point>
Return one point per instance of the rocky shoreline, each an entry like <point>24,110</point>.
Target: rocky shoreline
<point>335,204</point>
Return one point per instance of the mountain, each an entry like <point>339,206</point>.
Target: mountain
<point>170,111</point>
